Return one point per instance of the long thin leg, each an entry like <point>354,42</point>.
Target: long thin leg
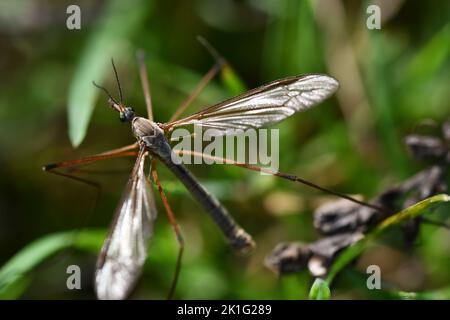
<point>190,136</point>
<point>63,256</point>
<point>220,63</point>
<point>99,172</point>
<point>175,226</point>
<point>284,176</point>
<point>95,185</point>
<point>120,152</point>
<point>198,89</point>
<point>145,84</point>
<point>55,167</point>
<point>116,153</point>
<point>129,150</point>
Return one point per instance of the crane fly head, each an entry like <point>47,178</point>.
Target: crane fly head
<point>126,114</point>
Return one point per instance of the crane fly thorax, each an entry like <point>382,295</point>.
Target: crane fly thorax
<point>143,127</point>
<point>152,136</point>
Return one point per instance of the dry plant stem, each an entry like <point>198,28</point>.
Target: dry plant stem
<point>145,83</point>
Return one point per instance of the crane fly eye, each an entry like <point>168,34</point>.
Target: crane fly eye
<point>122,117</point>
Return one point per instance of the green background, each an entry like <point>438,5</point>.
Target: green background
<point>391,81</point>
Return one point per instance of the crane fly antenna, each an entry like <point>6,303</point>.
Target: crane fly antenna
<point>118,82</point>
<point>106,91</point>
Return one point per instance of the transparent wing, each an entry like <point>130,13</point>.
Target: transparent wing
<point>125,250</point>
<point>263,106</point>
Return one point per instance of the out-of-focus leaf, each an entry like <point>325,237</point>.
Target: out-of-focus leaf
<point>15,288</point>
<point>14,275</point>
<point>380,89</point>
<point>90,240</point>
<point>12,282</point>
<point>355,250</point>
<point>118,23</point>
<point>319,290</point>
<point>424,79</point>
<point>292,45</point>
<point>431,57</point>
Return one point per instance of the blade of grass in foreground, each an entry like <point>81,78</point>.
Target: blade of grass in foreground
<point>355,250</point>
<point>319,290</point>
<point>14,275</point>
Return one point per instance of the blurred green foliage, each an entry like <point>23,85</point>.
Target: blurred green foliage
<point>391,80</point>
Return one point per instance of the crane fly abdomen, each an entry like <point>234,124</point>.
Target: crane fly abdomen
<point>152,137</point>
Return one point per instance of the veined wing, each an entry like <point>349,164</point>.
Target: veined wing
<point>125,250</point>
<point>263,106</point>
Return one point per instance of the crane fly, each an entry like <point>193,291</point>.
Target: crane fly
<point>125,250</point>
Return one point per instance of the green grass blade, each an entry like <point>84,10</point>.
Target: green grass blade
<point>14,275</point>
<point>13,272</point>
<point>293,42</point>
<point>320,290</point>
<point>355,250</point>
<point>380,90</point>
<point>431,57</point>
